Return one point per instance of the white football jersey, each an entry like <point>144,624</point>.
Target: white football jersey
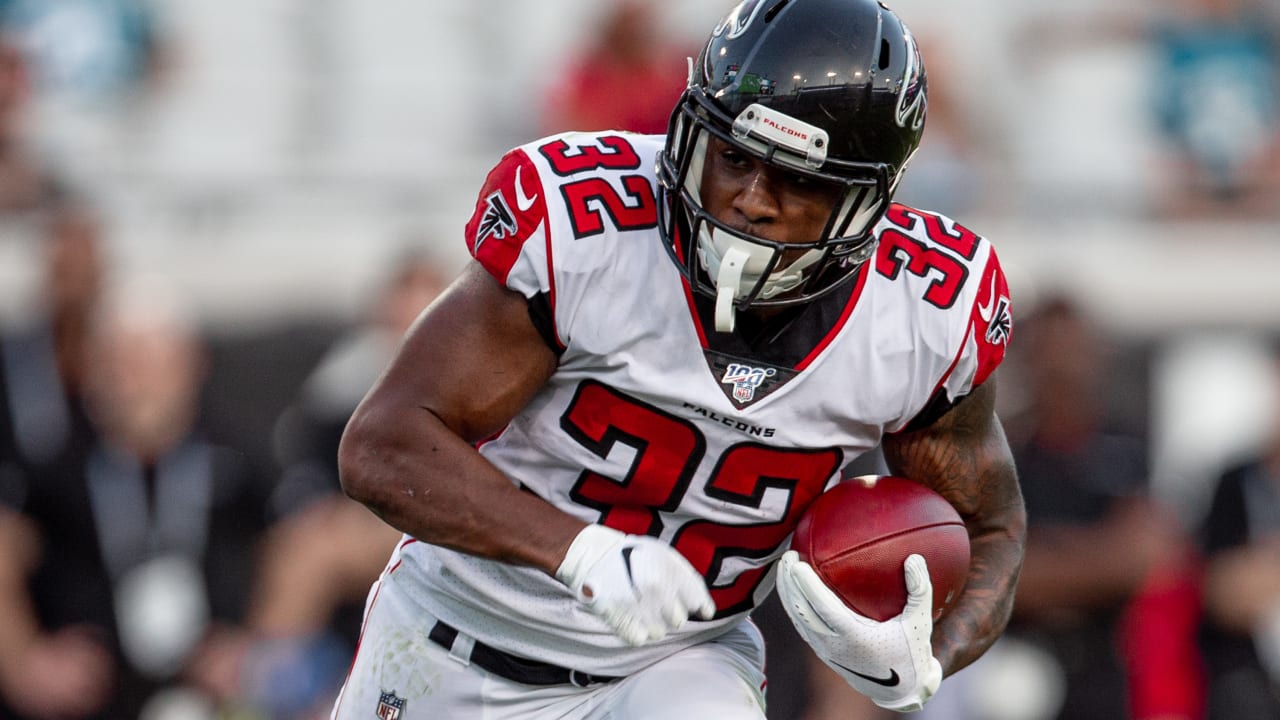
<point>647,428</point>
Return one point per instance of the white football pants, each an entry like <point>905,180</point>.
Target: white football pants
<point>400,674</point>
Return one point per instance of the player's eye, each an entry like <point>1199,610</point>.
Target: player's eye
<point>797,180</point>
<point>735,158</point>
<point>808,186</point>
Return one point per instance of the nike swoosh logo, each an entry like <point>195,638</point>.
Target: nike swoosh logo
<point>626,560</point>
<point>523,202</point>
<point>984,311</point>
<point>890,681</point>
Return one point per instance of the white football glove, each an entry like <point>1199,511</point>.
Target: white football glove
<point>890,662</point>
<point>639,585</point>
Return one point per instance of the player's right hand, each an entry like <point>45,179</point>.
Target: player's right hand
<point>640,586</point>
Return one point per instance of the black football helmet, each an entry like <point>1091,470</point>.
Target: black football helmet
<point>832,90</point>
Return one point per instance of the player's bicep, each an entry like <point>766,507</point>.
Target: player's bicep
<point>474,358</point>
<point>964,456</point>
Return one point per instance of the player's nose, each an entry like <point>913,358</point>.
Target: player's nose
<point>757,199</point>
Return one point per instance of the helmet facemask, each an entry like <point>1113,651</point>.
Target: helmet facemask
<point>833,91</point>
<point>742,270</point>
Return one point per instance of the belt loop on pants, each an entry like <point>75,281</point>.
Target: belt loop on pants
<point>513,667</point>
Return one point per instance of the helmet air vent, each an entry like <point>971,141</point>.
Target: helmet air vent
<point>773,11</point>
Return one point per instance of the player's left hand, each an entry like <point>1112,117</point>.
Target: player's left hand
<point>890,662</point>
<point>642,587</point>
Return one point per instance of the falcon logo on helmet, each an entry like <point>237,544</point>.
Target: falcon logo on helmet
<point>911,99</point>
<point>739,19</point>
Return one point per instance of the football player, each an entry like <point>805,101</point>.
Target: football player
<point>598,441</point>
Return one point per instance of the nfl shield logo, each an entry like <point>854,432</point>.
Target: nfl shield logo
<point>390,706</point>
<point>745,380</point>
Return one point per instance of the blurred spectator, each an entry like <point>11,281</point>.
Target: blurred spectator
<point>87,51</point>
<point>307,433</point>
<point>42,365</point>
<point>141,547</point>
<point>321,558</point>
<point>1095,534</point>
<point>1241,630</point>
<point>1164,665</point>
<point>626,77</point>
<point>92,67</point>
<point>1218,89</point>
<point>952,171</point>
<point>24,183</point>
<point>1191,90</point>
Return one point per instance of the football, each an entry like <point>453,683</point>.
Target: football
<point>857,535</point>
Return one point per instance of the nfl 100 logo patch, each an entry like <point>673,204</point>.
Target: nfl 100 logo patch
<point>390,706</point>
<point>745,379</point>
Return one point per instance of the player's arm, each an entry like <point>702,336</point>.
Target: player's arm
<point>465,368</point>
<point>964,456</point>
<point>469,364</point>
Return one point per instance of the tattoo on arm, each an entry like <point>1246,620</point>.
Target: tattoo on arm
<point>964,456</point>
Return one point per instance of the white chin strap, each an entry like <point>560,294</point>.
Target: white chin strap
<point>728,280</point>
<point>736,264</point>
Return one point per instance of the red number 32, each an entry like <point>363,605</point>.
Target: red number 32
<point>590,198</point>
<point>668,452</point>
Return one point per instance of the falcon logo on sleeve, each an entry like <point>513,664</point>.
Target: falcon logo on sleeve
<point>1001,324</point>
<point>995,312</point>
<point>497,221</point>
<point>510,209</point>
<point>992,319</point>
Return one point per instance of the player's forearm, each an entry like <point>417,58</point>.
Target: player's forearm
<point>996,517</point>
<point>965,457</point>
<point>424,480</point>
<point>982,612</point>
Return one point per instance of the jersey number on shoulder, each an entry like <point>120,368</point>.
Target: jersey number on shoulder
<point>922,259</point>
<point>667,452</point>
<point>588,199</point>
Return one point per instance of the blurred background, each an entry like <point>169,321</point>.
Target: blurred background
<point>217,218</point>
